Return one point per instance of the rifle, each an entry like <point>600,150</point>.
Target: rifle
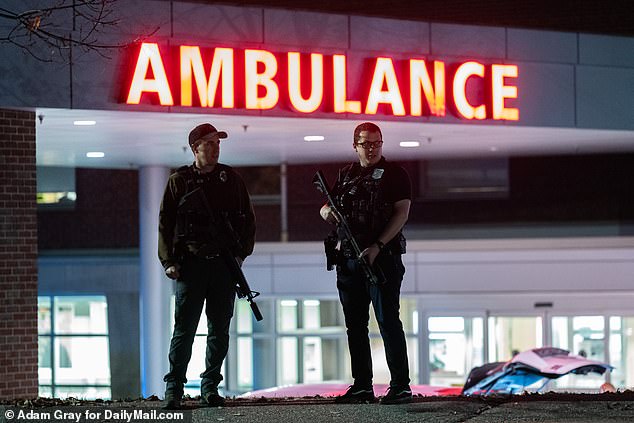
<point>374,274</point>
<point>231,241</point>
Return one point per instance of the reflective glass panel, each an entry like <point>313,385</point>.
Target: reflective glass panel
<point>287,315</point>
<point>335,358</point>
<point>313,369</point>
<point>243,317</point>
<point>45,392</point>
<point>455,347</point>
<point>44,367</point>
<point>43,315</point>
<point>197,363</point>
<point>84,315</point>
<point>287,360</point>
<point>408,314</point>
<point>262,363</point>
<point>379,362</point>
<point>82,360</point>
<point>83,392</point>
<point>622,351</point>
<point>584,336</point>
<point>331,315</point>
<point>245,362</point>
<point>581,335</point>
<point>511,335</point>
<point>311,314</point>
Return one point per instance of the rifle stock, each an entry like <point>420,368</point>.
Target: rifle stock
<point>373,273</point>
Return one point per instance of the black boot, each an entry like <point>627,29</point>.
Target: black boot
<point>173,397</point>
<point>211,397</point>
<point>357,395</point>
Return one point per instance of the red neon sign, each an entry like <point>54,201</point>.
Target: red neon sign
<point>262,80</point>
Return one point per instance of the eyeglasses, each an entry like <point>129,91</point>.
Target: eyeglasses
<point>370,145</point>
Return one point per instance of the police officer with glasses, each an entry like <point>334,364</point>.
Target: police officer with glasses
<point>374,197</point>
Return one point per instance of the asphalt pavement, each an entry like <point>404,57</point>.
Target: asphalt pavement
<point>577,408</point>
<point>430,410</point>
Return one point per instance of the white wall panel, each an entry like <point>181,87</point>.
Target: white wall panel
<point>303,280</point>
<point>467,41</point>
<point>546,94</point>
<point>541,46</point>
<point>606,50</point>
<point>31,81</point>
<point>99,77</point>
<point>605,97</point>
<point>389,35</point>
<point>201,22</point>
<point>260,277</point>
<point>309,29</point>
<point>592,266</point>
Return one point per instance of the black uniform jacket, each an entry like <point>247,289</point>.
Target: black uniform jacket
<point>225,191</point>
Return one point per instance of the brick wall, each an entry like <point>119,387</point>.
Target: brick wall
<point>18,256</point>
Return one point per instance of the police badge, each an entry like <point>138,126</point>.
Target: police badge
<point>377,173</point>
<point>223,176</point>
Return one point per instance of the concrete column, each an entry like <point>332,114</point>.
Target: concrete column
<point>124,344</point>
<point>283,202</point>
<point>155,288</point>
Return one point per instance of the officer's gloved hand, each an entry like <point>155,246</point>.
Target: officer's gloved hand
<point>172,272</point>
<point>328,215</point>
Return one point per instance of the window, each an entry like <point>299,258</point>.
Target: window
<point>299,341</point>
<point>455,347</point>
<point>464,179</point>
<point>55,187</point>
<point>73,352</point>
<point>409,318</point>
<point>622,351</point>
<point>197,362</point>
<point>511,335</point>
<point>311,342</point>
<point>248,346</point>
<point>584,336</point>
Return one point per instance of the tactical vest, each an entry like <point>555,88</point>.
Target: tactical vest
<point>361,198</point>
<point>195,223</point>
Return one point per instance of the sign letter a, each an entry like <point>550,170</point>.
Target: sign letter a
<point>149,56</point>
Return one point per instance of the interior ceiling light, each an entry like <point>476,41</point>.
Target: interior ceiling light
<point>96,154</point>
<point>84,122</point>
<point>409,144</point>
<point>314,138</point>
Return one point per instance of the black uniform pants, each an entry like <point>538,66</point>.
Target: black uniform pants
<point>356,294</point>
<point>201,281</point>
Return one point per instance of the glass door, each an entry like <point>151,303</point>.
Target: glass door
<point>456,345</point>
<point>622,351</point>
<point>510,335</point>
<point>584,336</point>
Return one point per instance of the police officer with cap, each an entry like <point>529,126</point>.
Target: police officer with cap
<point>374,197</point>
<point>189,252</point>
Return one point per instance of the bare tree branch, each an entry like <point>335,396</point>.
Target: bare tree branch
<point>49,33</point>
